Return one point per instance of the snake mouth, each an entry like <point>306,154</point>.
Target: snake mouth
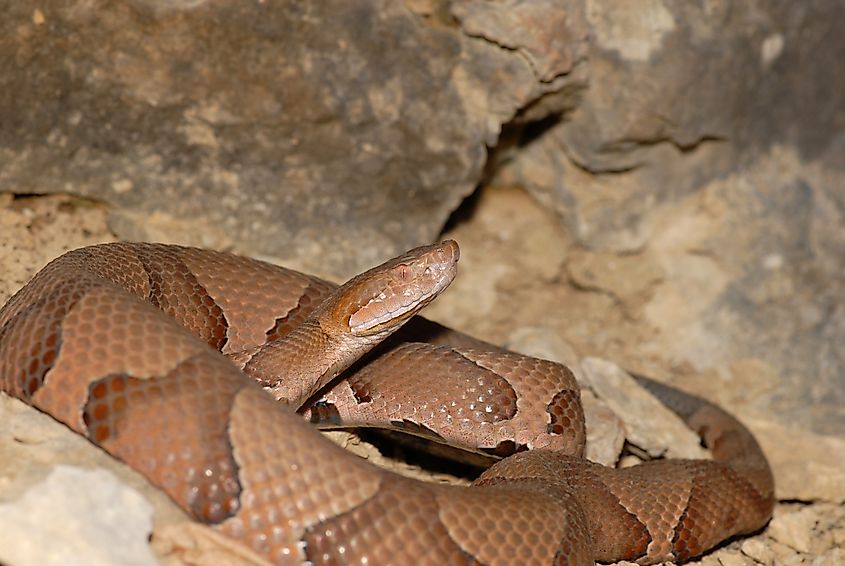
<point>389,318</point>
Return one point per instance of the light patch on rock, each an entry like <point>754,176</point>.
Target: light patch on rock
<point>795,529</point>
<point>634,29</point>
<point>77,517</point>
<point>772,48</point>
<point>807,466</point>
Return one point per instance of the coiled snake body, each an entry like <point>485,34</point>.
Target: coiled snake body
<point>113,341</point>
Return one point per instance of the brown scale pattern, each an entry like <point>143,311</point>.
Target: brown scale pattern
<point>462,404</point>
<point>536,381</point>
<point>467,402</point>
<point>550,527</point>
<point>659,513</point>
<point>582,480</point>
<point>399,525</point>
<point>173,429</point>
<point>564,412</point>
<point>110,332</point>
<point>80,269</point>
<point>474,394</point>
<point>712,501</point>
<point>175,290</point>
<point>518,523</point>
<point>289,478</point>
<point>270,364</point>
<point>118,263</point>
<point>120,371</point>
<point>30,342</point>
<point>311,296</point>
<point>253,294</point>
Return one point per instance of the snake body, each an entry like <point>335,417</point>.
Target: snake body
<point>164,357</point>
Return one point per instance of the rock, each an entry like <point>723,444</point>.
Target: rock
<point>758,551</point>
<point>807,466</point>
<point>196,544</point>
<point>549,33</point>
<point>830,558</point>
<point>680,95</point>
<point>745,267</point>
<point>628,279</point>
<point>44,526</point>
<point>511,249</point>
<point>334,134</point>
<point>795,529</point>
<point>35,230</point>
<point>731,557</point>
<point>737,258</point>
<point>541,342</point>
<point>649,424</point>
<point>606,431</point>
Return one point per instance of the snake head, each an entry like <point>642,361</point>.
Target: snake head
<point>380,300</point>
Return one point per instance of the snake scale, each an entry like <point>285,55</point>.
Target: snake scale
<point>164,357</point>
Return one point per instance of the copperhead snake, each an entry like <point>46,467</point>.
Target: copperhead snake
<point>113,341</point>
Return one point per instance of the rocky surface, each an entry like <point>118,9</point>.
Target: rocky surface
<point>231,124</point>
<point>686,165</point>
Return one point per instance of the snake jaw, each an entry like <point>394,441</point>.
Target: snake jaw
<point>381,312</point>
<point>398,289</point>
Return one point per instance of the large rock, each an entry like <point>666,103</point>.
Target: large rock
<point>705,164</point>
<point>337,132</point>
<point>683,93</point>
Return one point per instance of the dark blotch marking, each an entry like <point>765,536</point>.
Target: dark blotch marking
<point>195,310</point>
<point>133,419</point>
<point>561,410</point>
<point>309,299</point>
<point>30,342</point>
<point>107,401</point>
<point>42,358</point>
<point>360,390</point>
<point>505,448</point>
<point>323,412</point>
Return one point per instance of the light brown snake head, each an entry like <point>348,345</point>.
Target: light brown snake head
<point>357,316</point>
<point>380,300</point>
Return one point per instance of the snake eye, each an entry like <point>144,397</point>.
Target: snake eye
<point>403,272</point>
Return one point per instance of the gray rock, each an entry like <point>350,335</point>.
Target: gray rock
<point>337,133</point>
<point>680,94</point>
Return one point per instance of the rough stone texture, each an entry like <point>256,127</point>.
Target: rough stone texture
<point>749,266</point>
<point>681,93</point>
<point>689,159</point>
<point>648,423</point>
<point>334,132</point>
